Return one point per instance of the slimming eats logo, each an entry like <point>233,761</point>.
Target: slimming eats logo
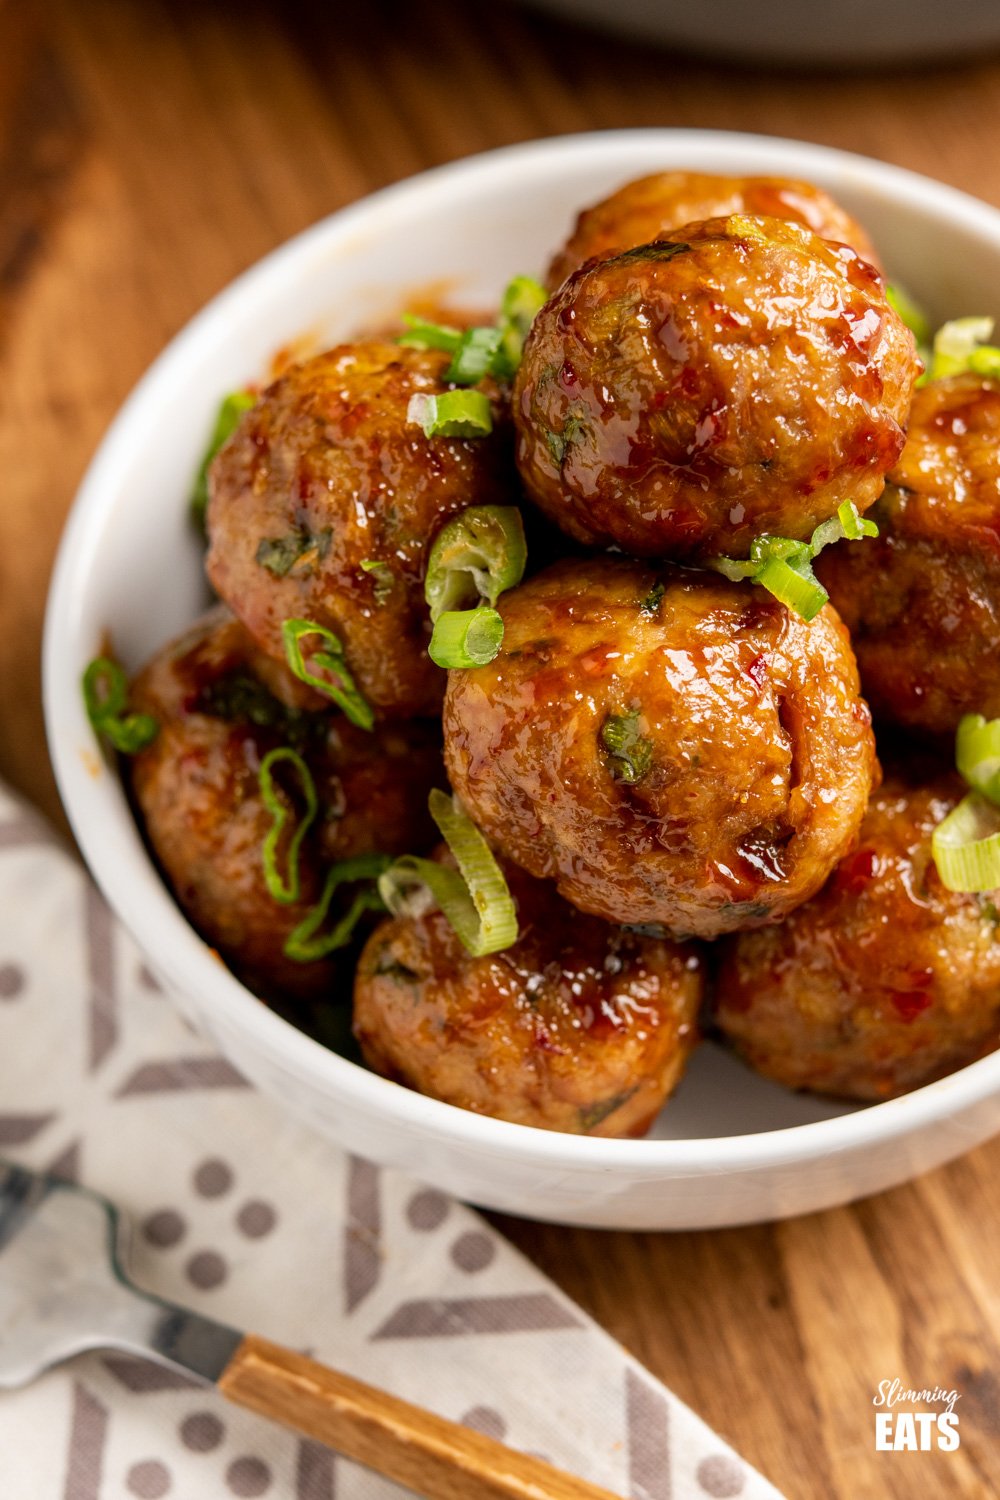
<point>914,1431</point>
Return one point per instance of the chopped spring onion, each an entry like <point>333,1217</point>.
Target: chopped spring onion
<point>474,899</point>
<point>977,754</point>
<point>784,567</point>
<point>966,846</point>
<point>226,422</point>
<point>475,357</point>
<point>466,637</point>
<point>105,697</point>
<point>303,945</point>
<point>484,350</point>
<point>522,301</point>
<point>342,689</point>
<point>477,555</point>
<point>911,313</point>
<point>285,889</point>
<point>422,334</point>
<point>630,752</point>
<point>794,586</point>
<point>452,414</point>
<point>963,345</point>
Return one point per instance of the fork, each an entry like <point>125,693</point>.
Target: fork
<point>64,1289</point>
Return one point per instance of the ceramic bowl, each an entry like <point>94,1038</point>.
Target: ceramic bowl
<point>729,1148</point>
<point>851,34</point>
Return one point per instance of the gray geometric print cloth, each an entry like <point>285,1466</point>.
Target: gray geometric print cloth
<point>242,1213</point>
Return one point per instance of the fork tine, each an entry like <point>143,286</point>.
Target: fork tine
<point>21,1191</point>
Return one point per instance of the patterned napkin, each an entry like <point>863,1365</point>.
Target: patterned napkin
<point>243,1214</point>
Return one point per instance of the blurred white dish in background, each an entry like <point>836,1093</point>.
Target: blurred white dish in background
<point>730,1148</point>
<point>852,33</point>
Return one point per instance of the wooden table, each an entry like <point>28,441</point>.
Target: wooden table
<point>148,152</point>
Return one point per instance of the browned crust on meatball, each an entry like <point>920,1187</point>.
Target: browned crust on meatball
<point>328,459</point>
<point>678,404</point>
<point>885,980</point>
<point>923,601</point>
<point>650,207</point>
<point>578,1026</point>
<point>197,791</point>
<point>758,749</point>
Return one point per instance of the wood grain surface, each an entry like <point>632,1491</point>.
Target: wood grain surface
<point>148,152</point>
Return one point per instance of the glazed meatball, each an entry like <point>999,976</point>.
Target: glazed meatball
<point>578,1026</point>
<point>670,747</point>
<point>325,502</point>
<point>923,601</point>
<point>197,789</point>
<point>882,982</point>
<point>650,207</point>
<point>739,376</point>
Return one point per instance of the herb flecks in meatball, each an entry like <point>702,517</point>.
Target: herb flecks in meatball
<point>650,207</point>
<point>923,602</point>
<point>326,500</point>
<point>668,746</point>
<point>882,982</point>
<point>738,376</point>
<point>578,1026</point>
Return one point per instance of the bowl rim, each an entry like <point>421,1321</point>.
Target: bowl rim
<point>123,868</point>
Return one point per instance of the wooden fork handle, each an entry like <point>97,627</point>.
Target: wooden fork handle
<point>437,1458</point>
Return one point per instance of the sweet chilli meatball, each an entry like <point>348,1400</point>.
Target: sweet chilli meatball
<point>325,502</point>
<point>198,789</point>
<point>738,376</point>
<point>883,981</point>
<point>923,601</point>
<point>650,207</point>
<point>669,747</point>
<point>578,1026</point>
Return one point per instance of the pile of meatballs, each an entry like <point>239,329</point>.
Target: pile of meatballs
<point>676,772</point>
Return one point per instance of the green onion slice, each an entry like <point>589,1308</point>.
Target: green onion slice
<point>306,943</point>
<point>474,899</point>
<point>477,555</point>
<point>475,356</point>
<point>911,312</point>
<point>285,889</point>
<point>485,350</point>
<point>464,414</point>
<point>800,591</point>
<point>966,846</point>
<point>342,690</point>
<point>977,754</point>
<point>959,344</point>
<point>226,422</point>
<point>466,637</point>
<point>784,567</point>
<point>105,697</point>
<point>423,334</point>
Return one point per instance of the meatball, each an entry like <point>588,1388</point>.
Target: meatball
<point>668,746</point>
<point>650,207</point>
<point>923,601</point>
<point>198,791</point>
<point>738,376</point>
<point>882,982</point>
<point>324,504</point>
<point>578,1026</point>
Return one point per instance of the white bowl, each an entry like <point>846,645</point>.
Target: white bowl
<point>853,33</point>
<point>729,1148</point>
